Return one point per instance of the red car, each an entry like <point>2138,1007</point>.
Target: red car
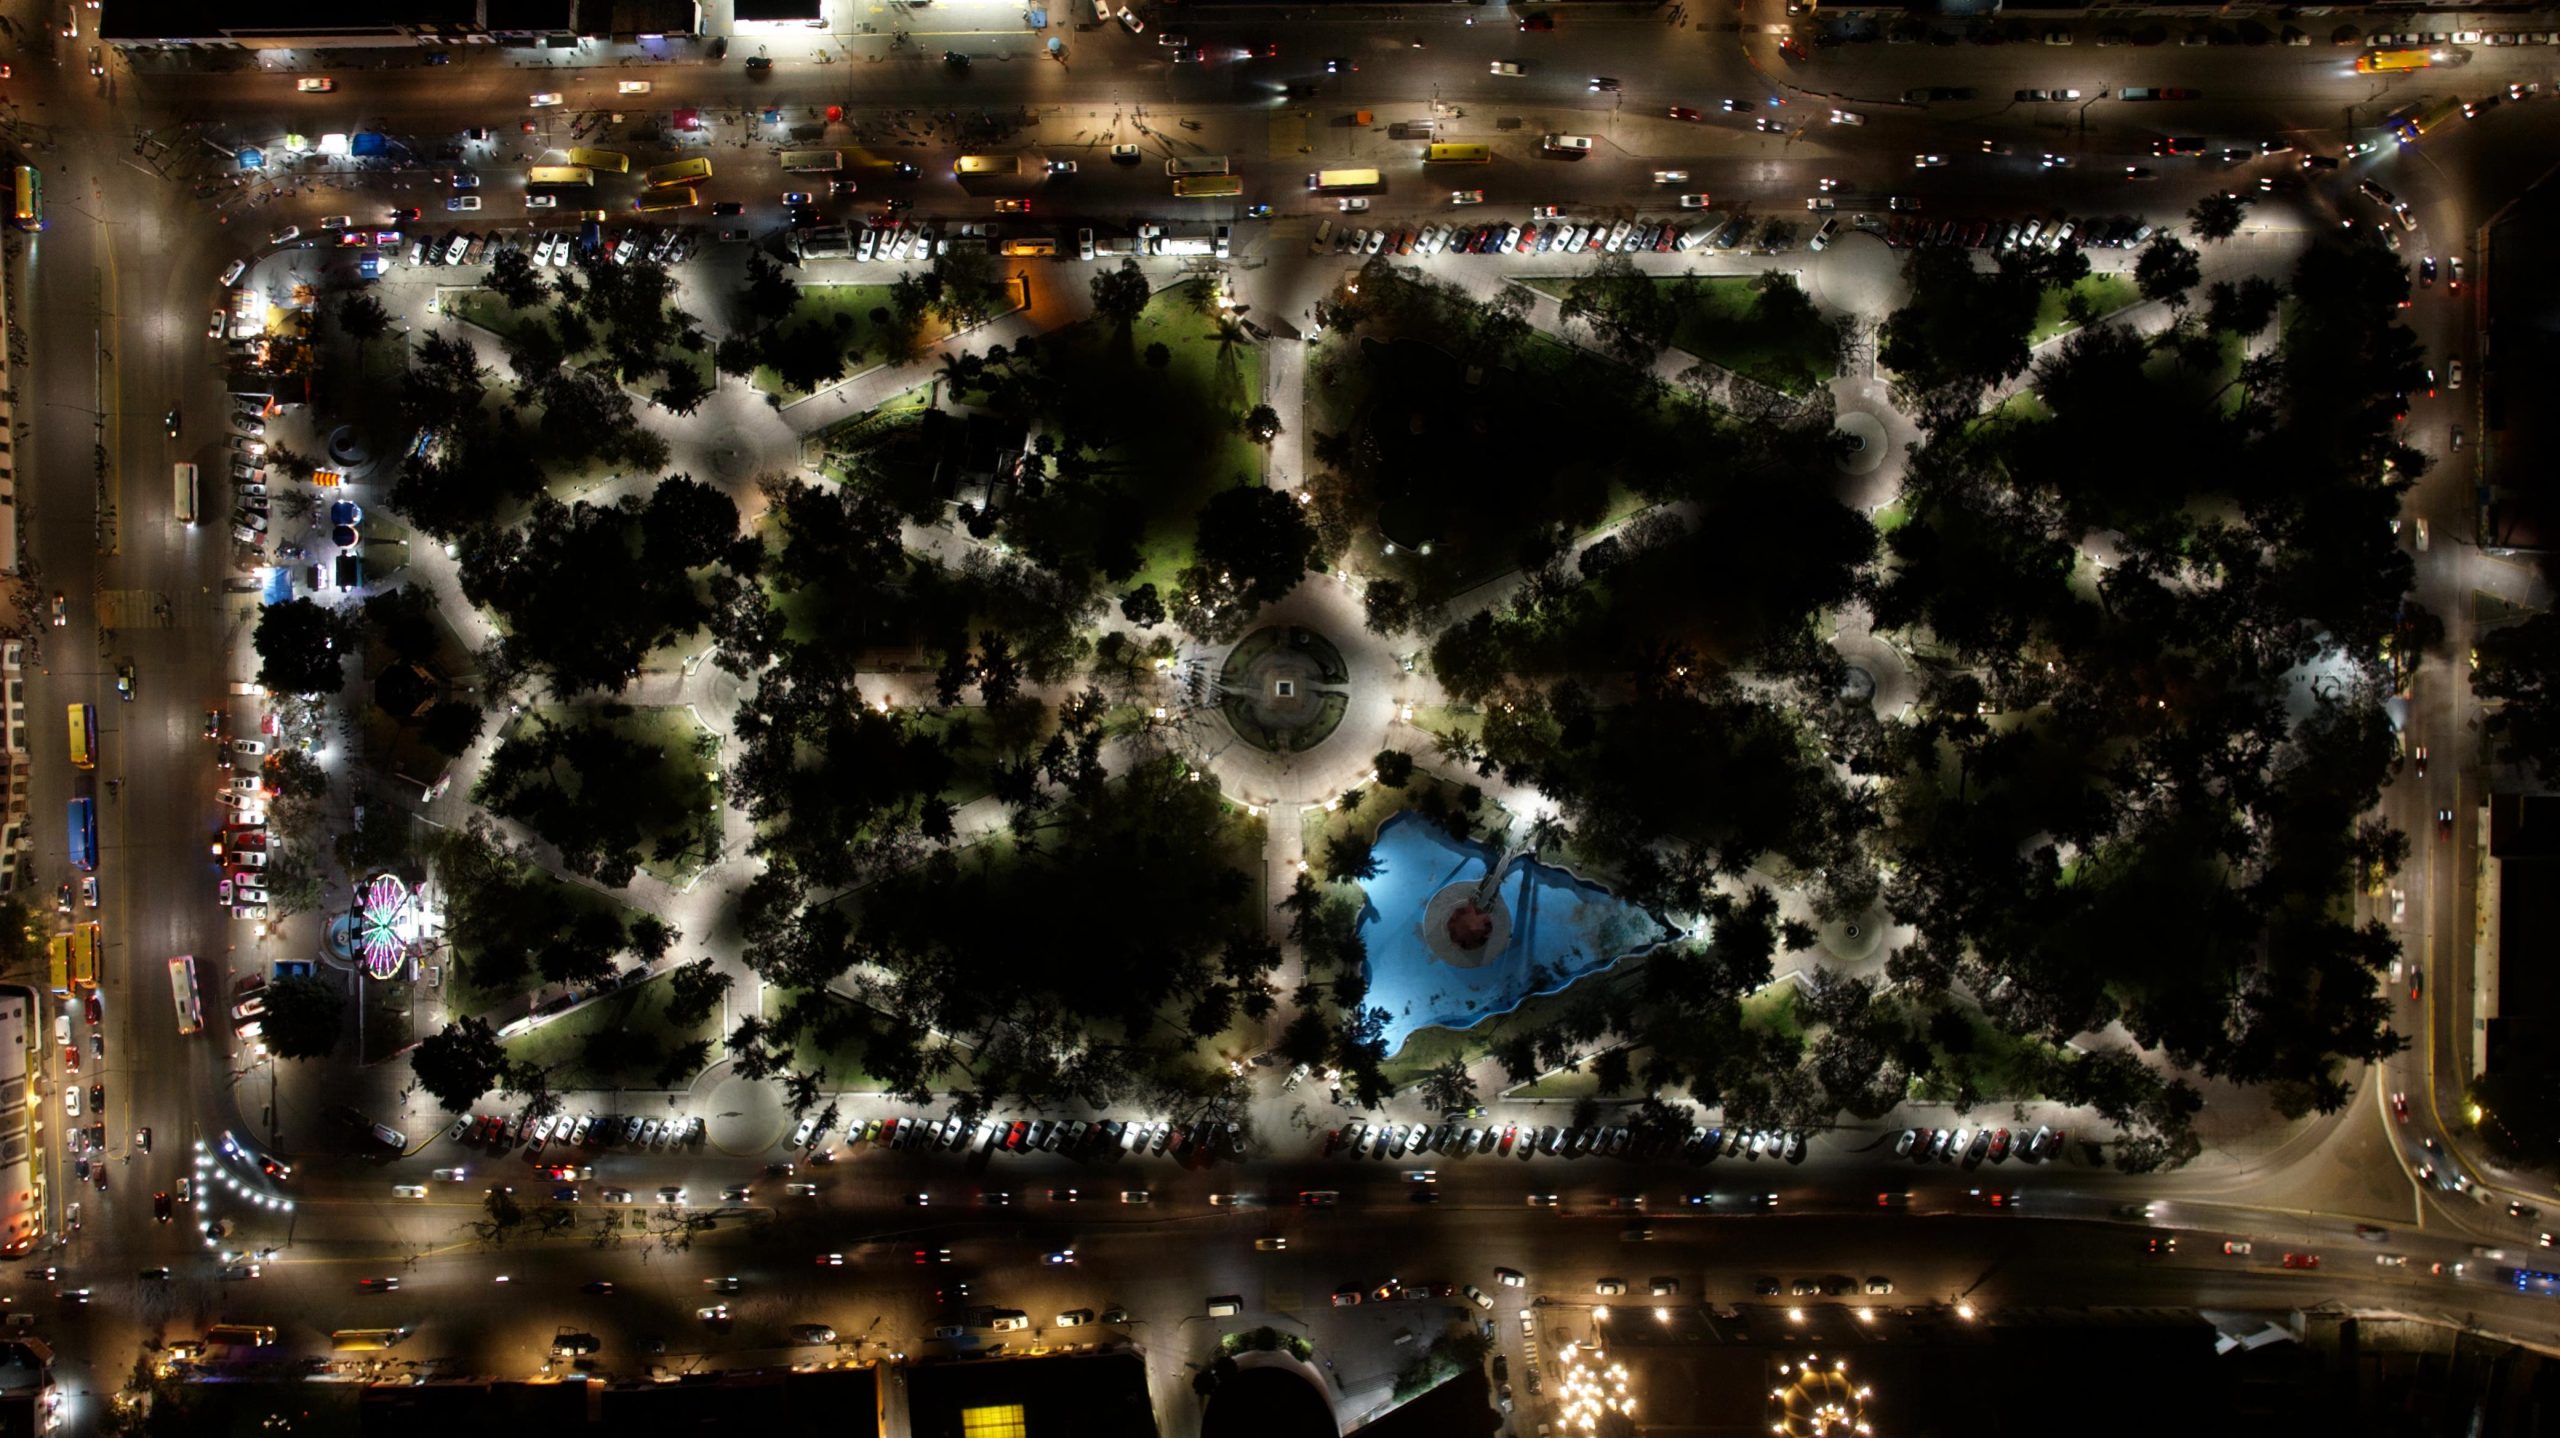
<point>2302,1260</point>
<point>1013,1136</point>
<point>1683,112</point>
<point>2400,1107</point>
<point>71,1057</point>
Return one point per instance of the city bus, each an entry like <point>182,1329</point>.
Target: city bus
<point>610,161</point>
<point>1208,187</point>
<point>239,1335</point>
<point>182,989</point>
<point>187,492</point>
<point>365,1340</point>
<point>58,960</point>
<point>812,162</point>
<point>85,939</point>
<point>1458,155</point>
<point>1196,165</point>
<point>1341,181</point>
<point>681,197</point>
<point>988,165</point>
<point>577,177</point>
<point>2392,62</point>
<point>682,172</point>
<point>83,833</point>
<point>84,737</point>
<point>28,213</point>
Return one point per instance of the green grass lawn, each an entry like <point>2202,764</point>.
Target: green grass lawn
<point>1722,328</point>
<point>853,303</point>
<point>566,1047</point>
<point>1186,442</point>
<point>486,310</point>
<point>2105,295</point>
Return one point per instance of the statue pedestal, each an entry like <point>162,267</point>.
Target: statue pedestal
<point>1463,934</point>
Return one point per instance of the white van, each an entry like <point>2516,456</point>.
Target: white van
<point>1567,144</point>
<point>1226,1306</point>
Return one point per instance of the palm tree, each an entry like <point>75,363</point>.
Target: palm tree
<point>1546,832</point>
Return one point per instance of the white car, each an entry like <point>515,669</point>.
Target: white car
<point>541,202</point>
<point>1693,202</point>
<point>632,87</point>
<point>285,236</point>
<point>1506,67</point>
<point>545,100</point>
<point>2453,374</point>
<point>1671,177</point>
<point>315,85</point>
<point>1847,117</point>
<point>1131,22</point>
<point>231,275</point>
<point>336,222</point>
<point>1927,162</point>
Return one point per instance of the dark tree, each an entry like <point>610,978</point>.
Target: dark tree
<point>2217,216</point>
<point>1258,538</point>
<point>451,726</point>
<point>2166,271</point>
<point>769,294</point>
<point>303,1017</point>
<point>1120,295</point>
<point>512,275</point>
<point>1159,355</point>
<point>2519,674</point>
<point>1142,607</point>
<point>694,991</point>
<point>1394,768</point>
<point>459,1063</point>
<point>297,646</point>
<point>362,318</point>
<point>1390,607</point>
<point>1262,423</point>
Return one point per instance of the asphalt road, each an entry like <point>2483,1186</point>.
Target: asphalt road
<point>114,297</point>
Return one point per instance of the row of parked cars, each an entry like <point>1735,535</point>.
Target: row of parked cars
<point>1973,1146</point>
<point>1560,235</point>
<point>2117,233</point>
<point>631,1131</point>
<point>1459,1140</point>
<point>1073,1138</point>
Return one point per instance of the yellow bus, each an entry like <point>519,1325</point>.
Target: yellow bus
<point>57,951</point>
<point>85,939</point>
<point>1028,248</point>
<point>1208,187</point>
<point>576,177</point>
<point>187,492</point>
<point>682,197</point>
<point>2393,62</point>
<point>1196,165</point>
<point>84,737</point>
<point>1457,155</point>
<point>1343,180</point>
<point>365,1340</point>
<point>988,165</point>
<point>682,172</point>
<point>611,161</point>
<point>811,162</point>
<point>28,210</point>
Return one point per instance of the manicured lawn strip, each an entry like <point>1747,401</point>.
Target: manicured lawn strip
<point>1178,435</point>
<point>641,1010</point>
<point>2106,294</point>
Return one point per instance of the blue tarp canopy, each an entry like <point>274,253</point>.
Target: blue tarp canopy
<point>369,143</point>
<point>279,586</point>
<point>253,159</point>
